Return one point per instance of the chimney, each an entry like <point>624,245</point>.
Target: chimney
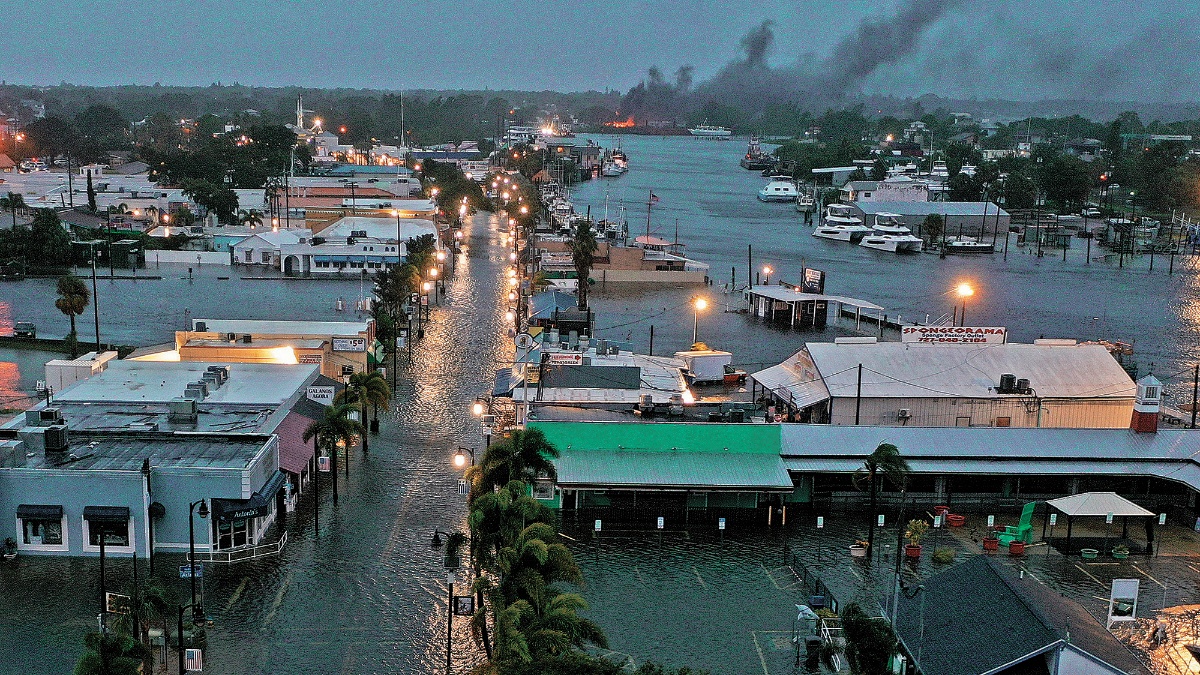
<point>1146,405</point>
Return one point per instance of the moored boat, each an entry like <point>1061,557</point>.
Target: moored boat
<point>889,234</point>
<point>709,131</point>
<point>779,190</point>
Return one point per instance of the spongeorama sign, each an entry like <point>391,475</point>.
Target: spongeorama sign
<point>984,335</point>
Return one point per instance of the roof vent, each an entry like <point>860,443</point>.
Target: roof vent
<point>182,410</point>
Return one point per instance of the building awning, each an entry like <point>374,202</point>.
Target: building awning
<point>651,470</point>
<point>225,510</point>
<point>106,514</point>
<point>39,512</point>
<point>1098,504</point>
<point>790,386</point>
<point>294,453</point>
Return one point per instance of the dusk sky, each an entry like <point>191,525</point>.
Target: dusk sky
<point>1015,50</point>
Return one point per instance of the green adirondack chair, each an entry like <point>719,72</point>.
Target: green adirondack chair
<point>1022,531</point>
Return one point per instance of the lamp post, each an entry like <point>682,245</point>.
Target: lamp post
<point>698,305</point>
<point>197,611</point>
<point>963,291</point>
<point>460,457</point>
<point>95,299</point>
<point>767,271</point>
<point>450,579</point>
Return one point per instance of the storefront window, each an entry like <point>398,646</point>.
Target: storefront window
<point>232,534</point>
<point>43,532</point>
<point>114,534</point>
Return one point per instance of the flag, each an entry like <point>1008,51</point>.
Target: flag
<point>653,198</point>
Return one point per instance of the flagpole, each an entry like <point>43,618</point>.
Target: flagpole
<point>649,203</point>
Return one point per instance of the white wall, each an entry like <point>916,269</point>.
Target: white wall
<point>187,257</point>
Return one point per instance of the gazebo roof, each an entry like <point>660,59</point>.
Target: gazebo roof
<point>1098,504</point>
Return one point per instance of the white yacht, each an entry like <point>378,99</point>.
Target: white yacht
<point>840,214</point>
<point>710,131</point>
<point>806,203</point>
<point>841,224</point>
<point>611,169</point>
<point>964,244</point>
<point>779,190</point>
<point>889,234</point>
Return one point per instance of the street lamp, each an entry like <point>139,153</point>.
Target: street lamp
<point>478,407</point>
<point>197,611</point>
<point>460,457</point>
<point>699,305</point>
<point>767,271</point>
<point>963,291</point>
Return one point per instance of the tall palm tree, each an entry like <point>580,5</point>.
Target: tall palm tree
<point>583,251</point>
<point>523,456</point>
<point>11,202</point>
<point>251,218</point>
<point>334,426</point>
<point>72,300</point>
<point>363,389</point>
<point>884,462</point>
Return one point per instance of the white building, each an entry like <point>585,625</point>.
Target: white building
<point>264,248</point>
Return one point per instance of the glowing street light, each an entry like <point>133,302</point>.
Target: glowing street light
<point>699,305</point>
<point>433,272</point>
<point>477,408</point>
<point>963,291</point>
<point>524,209</point>
<point>460,457</point>
<point>767,271</point>
<point>441,256</point>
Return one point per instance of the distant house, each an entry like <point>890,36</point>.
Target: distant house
<point>894,189</point>
<point>6,164</point>
<point>1015,626</point>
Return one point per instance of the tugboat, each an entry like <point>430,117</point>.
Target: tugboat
<point>756,159</point>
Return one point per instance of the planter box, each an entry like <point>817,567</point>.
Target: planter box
<point>991,544</point>
<point>1120,555</point>
<point>857,551</point>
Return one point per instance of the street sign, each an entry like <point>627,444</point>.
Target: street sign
<point>660,522</point>
<point>463,488</point>
<point>323,464</point>
<point>524,341</point>
<point>464,605</point>
<point>193,660</point>
<point>879,520</point>
<point>1108,518</point>
<point>991,521</point>
<point>820,522</point>
<point>1162,519</point>
<point>1053,519</point>
<point>597,525</point>
<point>185,571</point>
<point>115,603</point>
<point>720,523</point>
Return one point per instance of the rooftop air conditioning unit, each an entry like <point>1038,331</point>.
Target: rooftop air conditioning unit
<point>1023,386</point>
<point>246,338</point>
<point>211,380</point>
<point>182,410</point>
<point>903,414</point>
<point>230,336</point>
<point>1008,384</point>
<point>50,416</point>
<point>646,403</point>
<point>56,438</point>
<point>201,327</point>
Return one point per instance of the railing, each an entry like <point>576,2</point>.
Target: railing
<point>246,552</point>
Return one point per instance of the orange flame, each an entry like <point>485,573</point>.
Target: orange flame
<point>622,124</point>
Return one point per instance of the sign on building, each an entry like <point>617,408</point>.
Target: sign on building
<point>567,359</point>
<point>814,281</point>
<point>349,344</point>
<point>464,605</point>
<point>1122,601</point>
<point>185,571</point>
<point>310,359</point>
<point>115,603</point>
<point>322,394</point>
<point>979,335</point>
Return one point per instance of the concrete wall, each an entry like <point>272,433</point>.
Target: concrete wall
<point>946,411</point>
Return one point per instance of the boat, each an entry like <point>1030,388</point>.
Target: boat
<point>841,224</point>
<point>611,169</point>
<point>962,244</point>
<point>756,159</point>
<point>707,130</point>
<point>779,190</point>
<point>806,203</point>
<point>889,234</point>
<point>840,214</point>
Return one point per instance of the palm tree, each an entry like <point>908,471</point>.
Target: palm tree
<point>11,202</point>
<point>363,389</point>
<point>884,460</point>
<point>72,300</point>
<point>334,426</point>
<point>112,653</point>
<point>523,456</point>
<point>583,250</point>
<point>554,626</point>
<point>251,218</point>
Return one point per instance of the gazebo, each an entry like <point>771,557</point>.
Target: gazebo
<point>1099,504</point>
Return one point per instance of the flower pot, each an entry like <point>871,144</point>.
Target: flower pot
<point>956,520</point>
<point>912,551</point>
<point>857,551</point>
<point>991,544</point>
<point>1016,548</point>
<point>941,510</point>
<point>1089,553</point>
<point>1120,555</point>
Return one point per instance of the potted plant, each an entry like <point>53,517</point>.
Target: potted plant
<point>991,542</point>
<point>1120,552</point>
<point>914,534</point>
<point>1088,553</point>
<point>858,549</point>
<point>1016,547</point>
<point>956,520</point>
<point>10,548</point>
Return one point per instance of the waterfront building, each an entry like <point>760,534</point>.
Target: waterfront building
<point>264,248</point>
<point>125,451</point>
<point>900,188</point>
<point>654,260</point>
<point>965,217</point>
<point>338,348</point>
<point>1054,383</point>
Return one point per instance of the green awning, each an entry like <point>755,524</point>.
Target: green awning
<point>649,470</point>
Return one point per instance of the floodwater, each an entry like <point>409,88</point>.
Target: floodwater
<point>701,186</point>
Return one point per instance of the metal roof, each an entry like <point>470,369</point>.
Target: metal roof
<point>592,377</point>
<point>672,470</point>
<point>915,370</point>
<point>129,381</point>
<point>662,436</point>
<point>785,294</point>
<point>791,385</point>
<point>126,452</point>
<point>294,328</point>
<point>927,208</point>
<point>1098,504</point>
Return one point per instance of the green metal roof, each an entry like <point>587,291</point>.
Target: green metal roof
<point>663,455</point>
<point>663,437</point>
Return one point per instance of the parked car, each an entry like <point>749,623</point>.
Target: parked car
<point>24,329</point>
<point>1090,213</point>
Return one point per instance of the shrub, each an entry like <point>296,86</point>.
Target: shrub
<point>944,555</point>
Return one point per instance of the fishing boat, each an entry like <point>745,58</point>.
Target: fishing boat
<point>756,159</point>
<point>709,131</point>
<point>806,203</point>
<point>889,234</point>
<point>779,190</point>
<point>963,244</point>
<point>611,169</point>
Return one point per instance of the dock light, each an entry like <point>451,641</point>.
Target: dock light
<point>317,122</point>
<point>767,271</point>
<point>963,291</point>
<point>699,305</point>
<point>477,408</point>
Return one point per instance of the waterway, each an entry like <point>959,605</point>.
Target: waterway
<point>701,187</point>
